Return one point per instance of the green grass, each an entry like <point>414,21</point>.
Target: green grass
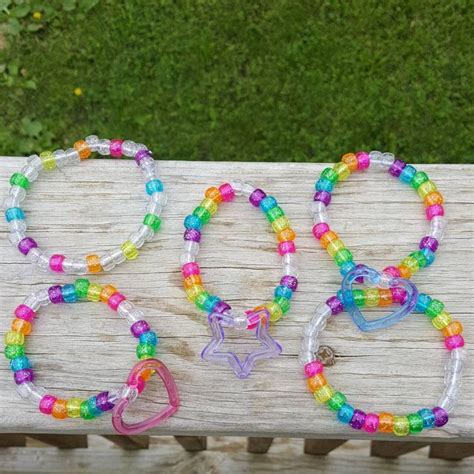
<point>242,80</point>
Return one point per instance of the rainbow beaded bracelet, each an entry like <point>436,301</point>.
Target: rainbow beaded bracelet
<point>95,406</point>
<point>83,149</point>
<point>407,174</point>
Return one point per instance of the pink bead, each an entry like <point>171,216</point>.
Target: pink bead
<point>453,342</point>
<point>116,148</point>
<point>399,295</point>
<point>114,300</point>
<point>191,268</point>
<point>56,263</point>
<point>394,271</point>
<point>371,422</point>
<point>24,312</point>
<point>227,192</point>
<point>434,210</point>
<point>140,384</point>
<point>313,368</point>
<point>363,160</point>
<point>46,404</point>
<point>320,229</point>
<point>286,247</point>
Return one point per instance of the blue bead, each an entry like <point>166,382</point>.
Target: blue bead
<point>20,363</point>
<point>148,337</point>
<point>192,222</point>
<point>324,184</point>
<point>210,302</point>
<point>345,413</point>
<point>94,409</point>
<point>14,214</point>
<point>428,417</point>
<point>407,174</point>
<point>346,267</point>
<point>69,293</point>
<point>154,186</point>
<point>430,256</point>
<point>283,291</point>
<point>422,303</point>
<point>268,203</point>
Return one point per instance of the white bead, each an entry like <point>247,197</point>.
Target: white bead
<point>129,148</point>
<point>30,172</point>
<point>104,146</point>
<point>18,193</point>
<point>16,236</point>
<point>290,264</point>
<point>17,225</point>
<point>437,227</point>
<point>35,162</point>
<point>118,256</point>
<point>107,262</point>
<point>191,247</point>
<point>61,158</point>
<point>75,267</point>
<point>34,254</point>
<point>186,257</point>
<point>72,156</point>
<point>137,239</point>
<point>159,198</point>
<point>92,142</point>
<point>43,297</point>
<point>32,302</point>
<point>146,232</point>
<point>24,390</point>
<point>37,393</point>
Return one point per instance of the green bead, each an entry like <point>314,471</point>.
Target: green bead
<point>419,256</point>
<point>359,297</point>
<point>19,179</point>
<point>201,298</point>
<point>344,255</point>
<point>330,175</point>
<point>202,213</point>
<point>283,303</point>
<point>146,350</point>
<point>152,221</point>
<point>434,308</point>
<point>14,350</point>
<point>86,412</point>
<point>336,401</point>
<point>416,422</point>
<point>274,213</point>
<point>82,287</point>
<point>419,178</point>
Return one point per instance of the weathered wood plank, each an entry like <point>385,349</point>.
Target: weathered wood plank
<point>83,349</point>
<point>451,451</point>
<point>129,442</point>
<point>321,447</point>
<point>68,441</point>
<point>192,443</point>
<point>393,449</point>
<point>259,445</point>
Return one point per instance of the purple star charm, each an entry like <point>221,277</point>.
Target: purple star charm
<point>267,349</point>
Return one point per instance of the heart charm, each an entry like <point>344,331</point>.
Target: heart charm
<point>376,278</point>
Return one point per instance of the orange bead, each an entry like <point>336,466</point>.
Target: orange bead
<point>146,374</point>
<point>405,272</point>
<point>350,160</point>
<point>386,422</point>
<point>20,325</point>
<point>192,280</point>
<point>453,329</point>
<point>107,292</point>
<point>385,297</point>
<point>433,198</point>
<point>327,238</point>
<point>60,409</point>
<point>93,263</point>
<point>286,235</point>
<point>214,194</point>
<point>83,149</point>
<point>316,382</point>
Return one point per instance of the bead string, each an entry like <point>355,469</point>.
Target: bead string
<point>82,150</point>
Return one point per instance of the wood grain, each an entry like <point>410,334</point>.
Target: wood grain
<point>84,348</point>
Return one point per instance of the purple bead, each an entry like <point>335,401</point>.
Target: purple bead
<point>357,420</point>
<point>221,306</point>
<point>102,402</point>
<point>142,154</point>
<point>441,416</point>
<point>192,234</point>
<point>256,197</point>
<point>24,375</point>
<point>429,242</point>
<point>139,328</point>
<point>323,196</point>
<point>397,168</point>
<point>361,278</point>
<point>335,304</point>
<point>26,244</point>
<point>289,281</point>
<point>55,294</point>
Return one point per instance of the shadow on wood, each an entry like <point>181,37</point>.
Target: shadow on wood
<point>129,442</point>
<point>259,445</point>
<point>451,451</point>
<point>393,449</point>
<point>321,447</point>
<point>61,441</point>
<point>192,443</point>
<point>8,440</point>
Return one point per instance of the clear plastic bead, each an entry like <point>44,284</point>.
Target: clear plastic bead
<point>240,321</point>
<point>130,393</point>
<point>153,207</point>
<point>459,353</point>
<point>16,236</point>
<point>9,202</point>
<point>18,193</point>
<point>149,172</point>
<point>107,262</point>
<point>305,357</point>
<point>43,297</point>
<point>34,254</point>
<point>437,227</point>
<point>116,394</point>
<point>146,232</point>
<point>186,257</point>
<point>30,172</point>
<point>134,315</point>
<point>136,239</point>
<point>75,267</point>
<point>72,156</point>
<point>449,398</point>
<point>385,280</point>
<point>32,302</point>
<point>191,247</point>
<point>25,389</point>
<point>160,198</point>
<point>35,162</point>
<point>104,146</point>
<point>376,158</point>
<point>43,263</point>
<point>37,393</point>
<point>118,256</point>
<point>61,158</point>
<point>237,187</point>
<point>17,226</point>
<point>319,212</point>
<point>247,189</point>
<point>92,142</point>
<point>290,264</point>
<point>129,148</point>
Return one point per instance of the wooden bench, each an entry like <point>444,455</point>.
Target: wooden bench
<point>84,348</point>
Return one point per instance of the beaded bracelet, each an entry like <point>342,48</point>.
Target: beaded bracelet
<point>385,422</point>
<point>116,400</point>
<point>407,174</point>
<point>47,161</point>
<point>220,313</point>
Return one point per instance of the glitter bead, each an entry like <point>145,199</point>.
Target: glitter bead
<point>93,264</point>
<point>336,402</point>
<point>386,421</point>
<point>357,420</point>
<point>441,416</point>
<point>313,368</point>
<point>342,170</point>
<point>227,192</point>
<point>26,244</point>
<point>214,194</point>
<point>256,197</point>
<point>401,426</point>
<point>116,148</point>
<point>129,250</point>
<point>55,294</point>
<point>82,147</point>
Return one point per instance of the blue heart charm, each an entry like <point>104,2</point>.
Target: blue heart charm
<point>375,278</point>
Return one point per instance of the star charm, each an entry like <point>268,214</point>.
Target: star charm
<point>267,349</point>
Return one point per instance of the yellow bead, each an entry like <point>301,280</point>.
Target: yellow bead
<point>324,393</point>
<point>94,291</point>
<point>275,311</point>
<point>280,224</point>
<point>193,291</point>
<point>411,263</point>
<point>129,250</point>
<point>426,188</point>
<point>14,338</point>
<point>49,162</point>
<point>371,296</point>
<point>210,205</point>
<point>342,170</point>
<point>73,407</point>
<point>401,425</point>
<point>335,246</point>
<point>442,320</point>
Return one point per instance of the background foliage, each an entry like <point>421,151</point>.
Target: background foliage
<point>294,80</point>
